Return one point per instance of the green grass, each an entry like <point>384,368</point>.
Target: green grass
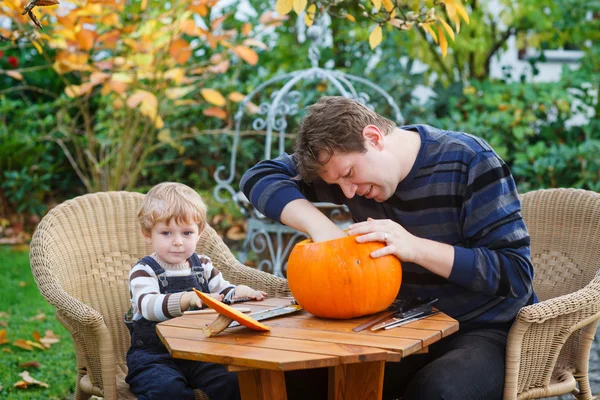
<point>21,300</point>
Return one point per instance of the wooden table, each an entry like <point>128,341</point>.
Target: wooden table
<point>301,341</point>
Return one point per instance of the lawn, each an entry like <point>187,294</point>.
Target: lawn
<point>23,311</point>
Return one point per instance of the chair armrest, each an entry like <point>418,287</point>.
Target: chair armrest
<point>542,338</point>
<point>562,305</point>
<point>213,246</point>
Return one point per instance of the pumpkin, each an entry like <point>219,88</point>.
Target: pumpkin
<point>339,279</point>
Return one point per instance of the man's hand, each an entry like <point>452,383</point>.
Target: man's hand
<point>398,241</point>
<point>435,256</point>
<point>246,291</point>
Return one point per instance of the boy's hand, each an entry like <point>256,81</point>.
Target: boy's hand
<point>189,300</point>
<point>245,291</point>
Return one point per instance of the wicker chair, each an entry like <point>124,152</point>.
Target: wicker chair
<point>549,344</point>
<point>81,254</point>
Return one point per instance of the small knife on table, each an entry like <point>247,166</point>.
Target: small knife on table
<point>271,313</point>
<point>424,309</point>
<point>382,316</point>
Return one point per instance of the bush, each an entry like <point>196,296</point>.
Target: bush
<point>528,124</point>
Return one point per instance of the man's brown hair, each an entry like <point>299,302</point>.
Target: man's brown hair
<point>334,125</point>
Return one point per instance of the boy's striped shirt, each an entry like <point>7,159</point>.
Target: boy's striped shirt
<point>458,192</point>
<point>149,303</point>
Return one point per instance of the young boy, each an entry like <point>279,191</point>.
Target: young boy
<point>172,217</point>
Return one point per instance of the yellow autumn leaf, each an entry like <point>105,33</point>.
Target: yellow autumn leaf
<point>175,74</point>
<point>430,31</point>
<point>388,5</point>
<point>350,18</point>
<point>460,9</point>
<point>284,6</point>
<point>309,17</point>
<point>37,46</point>
<point>457,23</point>
<point>213,97</point>
<point>299,5</point>
<point>176,93</point>
<point>144,4</point>
<point>377,4</point>
<point>375,37</point>
<point>235,96</point>
<point>443,41</point>
<point>246,54</point>
<point>447,28</point>
<point>450,9</point>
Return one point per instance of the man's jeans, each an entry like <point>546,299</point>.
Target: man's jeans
<point>467,365</point>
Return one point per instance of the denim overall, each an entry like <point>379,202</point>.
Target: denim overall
<point>153,373</point>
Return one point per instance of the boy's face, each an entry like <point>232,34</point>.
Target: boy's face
<point>173,243</point>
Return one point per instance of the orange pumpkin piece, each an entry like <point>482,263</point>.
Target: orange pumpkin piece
<point>339,279</point>
<point>226,316</point>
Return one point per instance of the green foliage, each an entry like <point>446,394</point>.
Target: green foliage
<point>21,301</point>
<point>528,126</point>
<point>34,171</point>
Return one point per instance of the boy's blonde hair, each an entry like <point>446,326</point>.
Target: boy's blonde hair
<point>169,200</point>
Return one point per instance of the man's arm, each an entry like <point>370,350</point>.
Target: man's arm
<point>497,260</point>
<point>271,188</point>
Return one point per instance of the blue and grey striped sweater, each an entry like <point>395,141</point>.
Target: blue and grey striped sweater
<point>458,192</point>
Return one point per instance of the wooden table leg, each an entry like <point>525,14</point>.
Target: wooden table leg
<point>262,384</point>
<point>360,381</point>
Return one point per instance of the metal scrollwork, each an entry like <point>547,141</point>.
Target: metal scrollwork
<point>265,236</point>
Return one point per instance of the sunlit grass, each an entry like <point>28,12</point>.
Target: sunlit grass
<point>21,300</point>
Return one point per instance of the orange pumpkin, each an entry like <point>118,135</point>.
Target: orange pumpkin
<point>339,279</point>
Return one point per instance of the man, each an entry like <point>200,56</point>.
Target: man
<point>443,202</point>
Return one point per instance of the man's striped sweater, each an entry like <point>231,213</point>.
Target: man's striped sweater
<point>458,192</point>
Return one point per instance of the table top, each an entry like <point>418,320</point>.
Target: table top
<point>298,341</point>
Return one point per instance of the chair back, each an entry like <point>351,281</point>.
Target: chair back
<point>86,247</point>
<point>549,345</point>
<point>564,225</point>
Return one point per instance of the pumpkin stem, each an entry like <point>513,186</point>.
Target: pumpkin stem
<point>217,326</point>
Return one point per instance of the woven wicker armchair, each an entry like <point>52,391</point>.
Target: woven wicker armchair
<point>81,254</point>
<point>549,344</point>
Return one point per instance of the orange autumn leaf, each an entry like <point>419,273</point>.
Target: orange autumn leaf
<point>30,364</point>
<point>3,339</point>
<point>36,336</point>
<point>235,96</point>
<point>20,385</point>
<point>246,54</point>
<point>215,112</point>
<point>246,28</point>
<point>22,344</point>
<point>85,39</point>
<point>180,50</point>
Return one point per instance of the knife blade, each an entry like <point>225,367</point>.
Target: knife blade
<point>408,321</point>
<point>403,316</point>
<point>271,313</point>
<point>395,307</point>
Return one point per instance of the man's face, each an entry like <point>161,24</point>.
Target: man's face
<point>374,174</point>
<point>173,243</point>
